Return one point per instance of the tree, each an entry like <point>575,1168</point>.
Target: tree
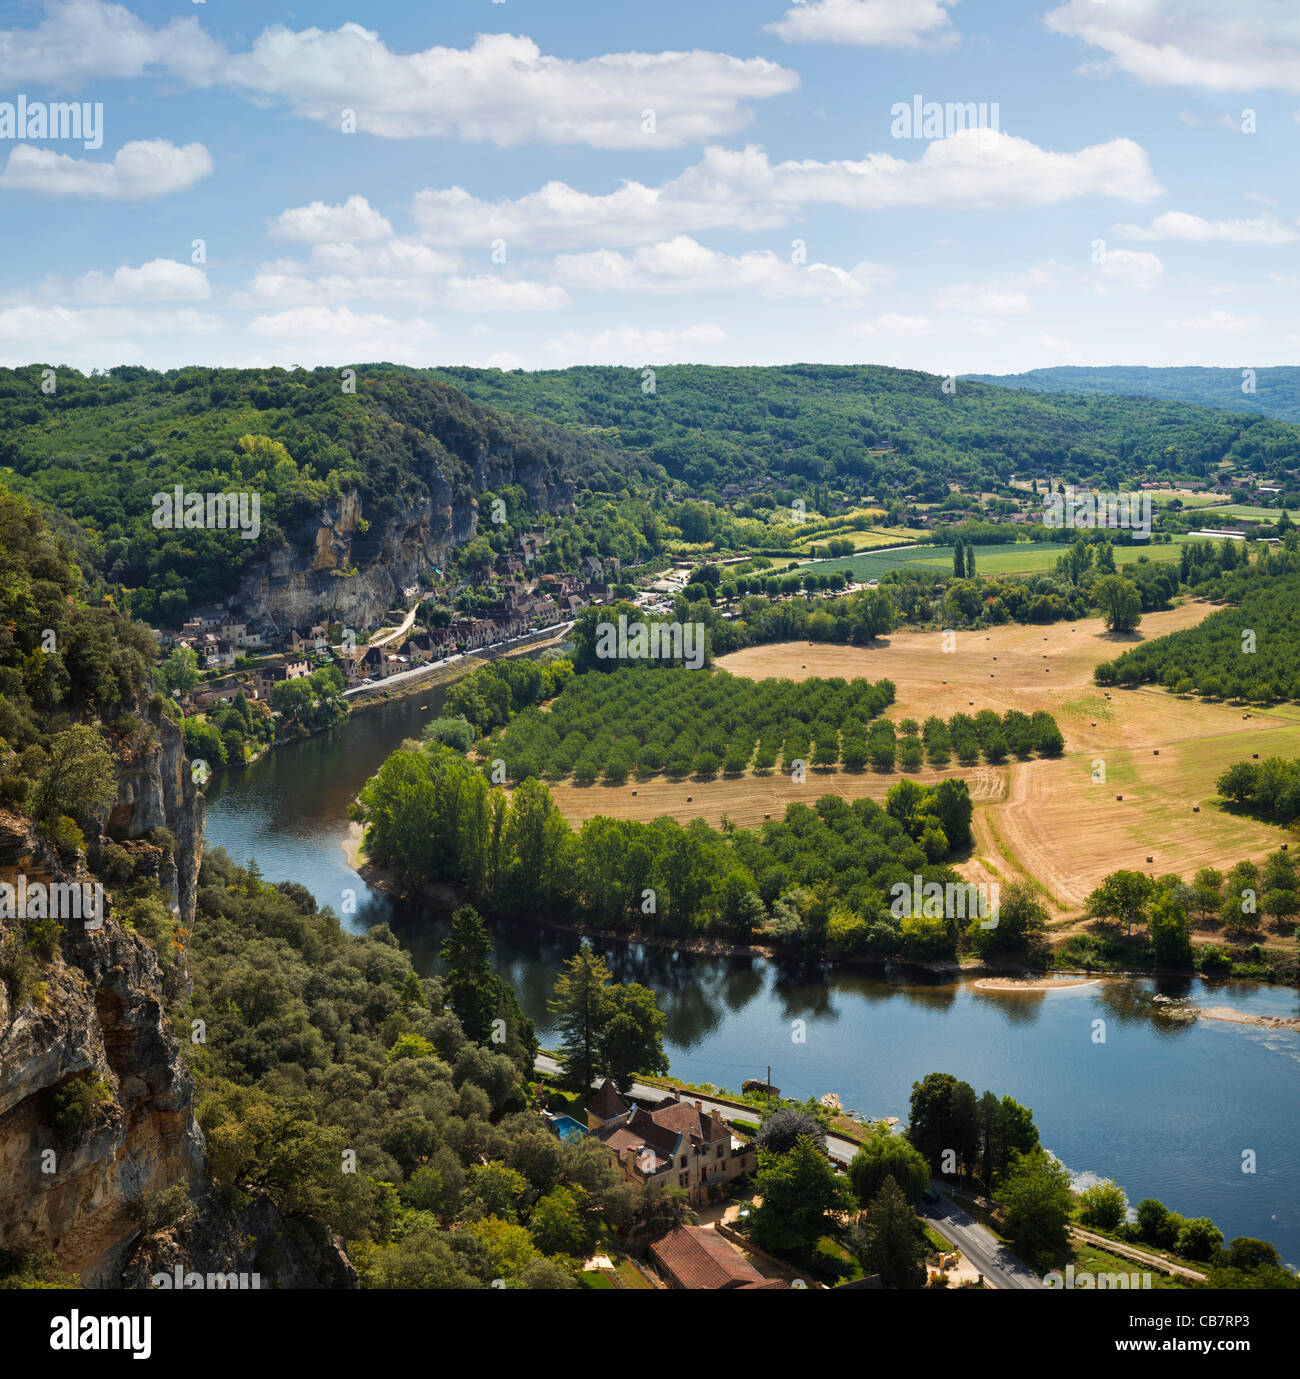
<point>579,1006</point>
<point>781,1131</point>
<point>556,1224</point>
<point>886,1156</point>
<point>1021,920</point>
<point>1171,934</point>
<point>1120,898</point>
<point>1119,601</point>
<point>1103,1205</point>
<point>468,983</point>
<point>179,673</point>
<point>890,1241</point>
<point>76,777</point>
<point>943,1124</point>
<point>631,1039</point>
<point>1199,1238</point>
<point>1036,1203</point>
<point>800,1192</point>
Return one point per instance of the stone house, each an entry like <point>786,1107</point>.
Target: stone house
<point>677,1144</point>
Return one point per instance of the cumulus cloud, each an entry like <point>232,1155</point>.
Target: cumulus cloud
<point>354,220</point>
<point>682,264</point>
<point>83,40</point>
<point>505,90</point>
<point>895,323</point>
<point>1129,268</point>
<point>982,300</point>
<point>634,346</point>
<point>93,336</point>
<point>142,168</point>
<point>869,23</point>
<point>742,189</point>
<point>1265,229</point>
<point>329,335</point>
<point>159,280</point>
<point>1246,46</point>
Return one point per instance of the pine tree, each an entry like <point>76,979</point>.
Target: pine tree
<point>958,560</point>
<point>580,1006</point>
<point>889,1242</point>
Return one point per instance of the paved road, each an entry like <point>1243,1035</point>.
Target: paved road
<point>416,671</point>
<point>840,1149</point>
<point>1001,1269</point>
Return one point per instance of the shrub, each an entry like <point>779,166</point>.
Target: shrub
<point>78,1103</point>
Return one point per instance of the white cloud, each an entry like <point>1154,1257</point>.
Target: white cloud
<point>80,40</point>
<point>1266,229</point>
<point>1220,322</point>
<point>893,323</point>
<point>634,346</point>
<point>94,336</point>
<point>504,90</point>
<point>743,189</point>
<point>1131,269</point>
<point>320,223</point>
<point>488,292</point>
<point>982,300</point>
<point>159,280</point>
<point>1246,46</point>
<point>682,264</point>
<point>868,23</point>
<point>325,335</point>
<point>1261,198</point>
<point>142,168</point>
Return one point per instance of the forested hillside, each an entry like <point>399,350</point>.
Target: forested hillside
<point>99,447</point>
<point>819,422</point>
<point>1276,394</point>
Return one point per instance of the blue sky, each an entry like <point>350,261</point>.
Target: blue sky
<point>505,200</point>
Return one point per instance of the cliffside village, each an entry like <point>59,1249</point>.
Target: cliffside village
<point>271,652</point>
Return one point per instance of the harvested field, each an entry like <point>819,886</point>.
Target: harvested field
<point>1045,819</point>
<point>745,799</point>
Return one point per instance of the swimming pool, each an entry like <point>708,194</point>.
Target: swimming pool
<point>567,1128</point>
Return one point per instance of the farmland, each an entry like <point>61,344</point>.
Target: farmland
<point>1046,819</point>
<point>1022,557</point>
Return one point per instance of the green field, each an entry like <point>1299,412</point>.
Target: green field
<point>1241,510</point>
<point>1017,558</point>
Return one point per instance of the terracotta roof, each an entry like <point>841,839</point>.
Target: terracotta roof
<point>686,1120</point>
<point>605,1102</point>
<point>698,1257</point>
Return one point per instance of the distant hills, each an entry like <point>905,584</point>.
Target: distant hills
<point>1277,389</point>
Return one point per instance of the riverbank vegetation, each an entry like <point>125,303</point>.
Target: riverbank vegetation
<point>322,1044</point>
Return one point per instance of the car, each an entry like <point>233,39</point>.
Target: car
<point>930,1195</point>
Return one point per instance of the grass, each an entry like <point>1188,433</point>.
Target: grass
<point>1244,510</point>
<point>1013,558</point>
<point>596,1278</point>
<point>1092,1259</point>
<point>943,1246</point>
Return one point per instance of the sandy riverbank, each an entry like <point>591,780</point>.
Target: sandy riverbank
<point>1032,983</point>
<point>1240,1017</point>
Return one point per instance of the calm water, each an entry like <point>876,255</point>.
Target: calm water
<point>1165,1108</point>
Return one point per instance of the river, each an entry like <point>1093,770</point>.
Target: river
<point>1167,1108</point>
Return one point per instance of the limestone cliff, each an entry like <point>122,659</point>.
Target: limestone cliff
<point>352,560</point>
<point>97,1018</point>
<point>88,1024</point>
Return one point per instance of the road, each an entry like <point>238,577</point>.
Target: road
<point>367,687</point>
<point>1001,1269</point>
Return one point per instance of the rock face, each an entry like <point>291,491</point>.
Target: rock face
<point>254,1247</point>
<point>354,565</point>
<point>97,1018</point>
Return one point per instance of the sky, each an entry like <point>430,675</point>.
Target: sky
<point>539,183</point>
